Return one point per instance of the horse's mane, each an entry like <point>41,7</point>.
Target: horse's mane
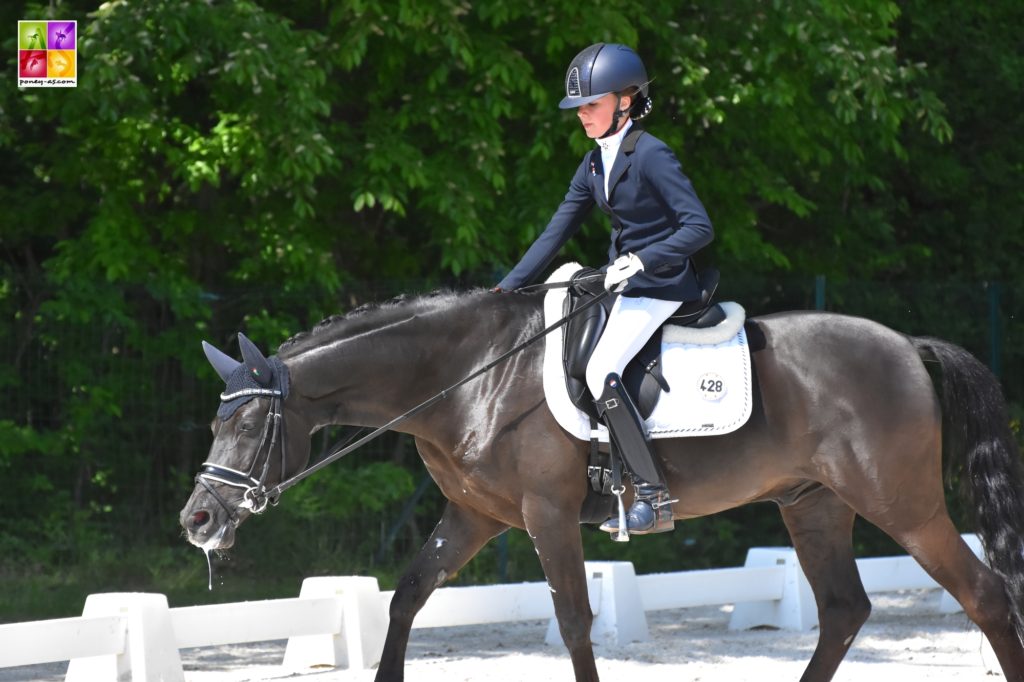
<point>371,315</point>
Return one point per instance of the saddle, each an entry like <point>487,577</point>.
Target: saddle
<point>642,378</point>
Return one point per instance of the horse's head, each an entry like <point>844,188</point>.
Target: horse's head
<point>257,442</point>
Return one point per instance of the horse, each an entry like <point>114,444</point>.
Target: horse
<point>847,421</point>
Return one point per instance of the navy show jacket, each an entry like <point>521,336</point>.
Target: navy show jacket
<point>655,214</point>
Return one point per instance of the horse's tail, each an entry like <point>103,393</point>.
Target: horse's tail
<point>978,431</point>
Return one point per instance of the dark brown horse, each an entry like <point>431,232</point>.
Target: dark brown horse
<point>846,421</point>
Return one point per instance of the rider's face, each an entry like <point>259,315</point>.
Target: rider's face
<point>596,117</point>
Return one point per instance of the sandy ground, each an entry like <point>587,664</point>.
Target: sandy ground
<point>905,640</point>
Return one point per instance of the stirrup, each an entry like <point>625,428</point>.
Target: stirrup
<point>650,513</point>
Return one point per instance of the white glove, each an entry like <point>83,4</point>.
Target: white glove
<point>621,270</point>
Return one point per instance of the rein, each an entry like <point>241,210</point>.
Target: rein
<point>257,497</point>
<point>546,286</point>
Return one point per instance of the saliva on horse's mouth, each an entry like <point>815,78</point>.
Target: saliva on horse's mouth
<point>222,538</point>
<point>214,541</point>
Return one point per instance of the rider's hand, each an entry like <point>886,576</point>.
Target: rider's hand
<point>497,290</point>
<point>620,271</point>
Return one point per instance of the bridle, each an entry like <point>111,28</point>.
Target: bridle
<point>255,495</point>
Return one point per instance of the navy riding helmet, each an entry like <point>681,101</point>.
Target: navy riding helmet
<point>605,68</point>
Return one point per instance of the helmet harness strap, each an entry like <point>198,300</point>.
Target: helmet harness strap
<point>616,117</point>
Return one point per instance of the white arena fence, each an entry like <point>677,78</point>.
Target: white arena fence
<point>342,621</point>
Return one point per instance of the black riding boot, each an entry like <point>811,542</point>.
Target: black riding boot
<point>651,511</point>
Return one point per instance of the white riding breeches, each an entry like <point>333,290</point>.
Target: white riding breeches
<point>631,323</point>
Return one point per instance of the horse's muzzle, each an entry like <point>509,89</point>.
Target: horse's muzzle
<point>212,536</point>
<point>207,525</point>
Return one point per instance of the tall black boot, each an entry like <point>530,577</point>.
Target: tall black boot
<point>651,511</point>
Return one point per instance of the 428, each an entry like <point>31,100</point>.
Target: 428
<point>711,385</point>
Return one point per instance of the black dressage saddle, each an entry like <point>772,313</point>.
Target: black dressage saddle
<point>643,377</point>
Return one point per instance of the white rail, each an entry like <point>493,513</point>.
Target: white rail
<point>342,621</point>
<point>253,621</point>
<point>46,641</point>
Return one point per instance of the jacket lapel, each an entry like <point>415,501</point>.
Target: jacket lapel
<point>623,159</point>
<point>596,178</point>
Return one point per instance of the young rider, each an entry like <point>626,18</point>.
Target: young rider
<point>658,224</point>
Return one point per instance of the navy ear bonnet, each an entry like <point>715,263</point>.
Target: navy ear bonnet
<point>254,377</point>
<point>244,386</point>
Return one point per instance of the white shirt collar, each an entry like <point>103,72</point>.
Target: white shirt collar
<point>611,143</point>
<point>610,150</point>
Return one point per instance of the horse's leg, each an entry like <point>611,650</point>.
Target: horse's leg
<point>456,539</point>
<point>919,522</point>
<point>941,551</point>
<point>903,495</point>
<point>821,528</point>
<point>556,537</point>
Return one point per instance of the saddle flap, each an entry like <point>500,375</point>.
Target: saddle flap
<point>642,375</point>
<point>582,334</point>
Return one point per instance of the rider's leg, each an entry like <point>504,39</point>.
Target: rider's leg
<point>631,323</point>
<point>651,511</point>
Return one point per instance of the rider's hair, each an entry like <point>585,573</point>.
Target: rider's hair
<point>639,106</point>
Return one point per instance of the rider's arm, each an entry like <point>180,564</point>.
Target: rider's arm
<point>662,171</point>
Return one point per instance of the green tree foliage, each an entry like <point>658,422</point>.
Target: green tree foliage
<point>963,201</point>
<point>257,165</point>
<point>445,113</point>
<point>184,164</point>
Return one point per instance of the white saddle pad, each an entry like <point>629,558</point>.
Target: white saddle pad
<point>707,370</point>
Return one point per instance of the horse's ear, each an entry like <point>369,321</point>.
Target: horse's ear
<point>255,363</point>
<point>224,364</point>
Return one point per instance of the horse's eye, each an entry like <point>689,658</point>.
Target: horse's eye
<point>246,426</point>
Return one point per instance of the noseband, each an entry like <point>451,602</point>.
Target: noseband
<point>255,495</point>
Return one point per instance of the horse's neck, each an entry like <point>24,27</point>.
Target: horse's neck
<point>380,371</point>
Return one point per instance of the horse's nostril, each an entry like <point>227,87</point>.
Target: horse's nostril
<point>200,518</point>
